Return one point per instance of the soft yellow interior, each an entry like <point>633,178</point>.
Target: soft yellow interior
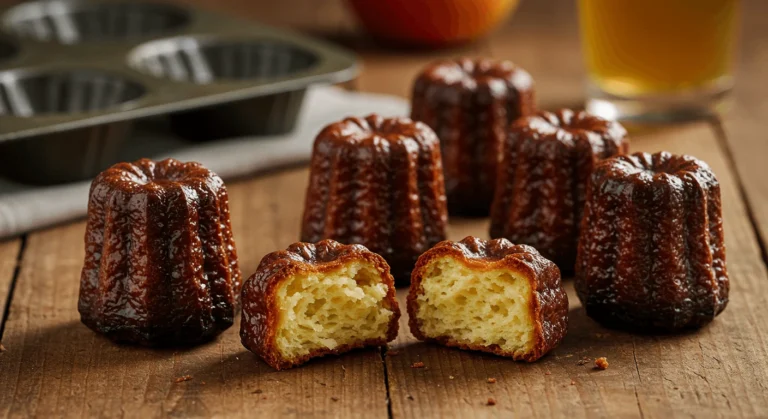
<point>328,310</point>
<point>476,307</point>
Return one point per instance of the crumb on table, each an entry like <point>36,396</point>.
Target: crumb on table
<point>491,401</point>
<point>183,378</point>
<point>393,352</point>
<point>334,398</point>
<point>417,365</point>
<point>601,363</point>
<point>450,377</point>
<point>491,380</point>
<point>584,361</point>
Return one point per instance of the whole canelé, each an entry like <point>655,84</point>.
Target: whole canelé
<point>542,181</point>
<point>470,103</point>
<point>652,252</point>
<point>377,182</point>
<point>160,265</point>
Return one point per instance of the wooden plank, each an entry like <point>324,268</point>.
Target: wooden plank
<point>318,17</point>
<point>55,366</point>
<point>732,356</point>
<point>9,253</point>
<point>721,370</point>
<point>744,125</point>
<point>550,51</point>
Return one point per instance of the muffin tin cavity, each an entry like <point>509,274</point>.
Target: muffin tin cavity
<point>65,92</point>
<point>72,22</point>
<point>76,74</point>
<point>204,61</point>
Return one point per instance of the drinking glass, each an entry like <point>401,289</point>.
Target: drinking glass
<point>658,60</point>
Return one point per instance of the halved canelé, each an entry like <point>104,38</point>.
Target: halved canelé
<point>491,296</point>
<point>312,300</point>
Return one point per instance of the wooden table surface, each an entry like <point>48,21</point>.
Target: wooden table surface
<point>52,365</point>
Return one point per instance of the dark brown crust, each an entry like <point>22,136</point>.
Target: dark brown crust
<point>377,182</point>
<point>549,307</point>
<point>652,253</point>
<point>541,189</point>
<point>260,310</point>
<point>470,103</point>
<point>160,262</point>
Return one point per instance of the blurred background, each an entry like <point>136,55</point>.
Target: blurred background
<point>644,63</point>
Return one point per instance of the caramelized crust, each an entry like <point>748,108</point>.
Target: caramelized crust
<point>652,252</point>
<point>470,103</point>
<point>548,303</point>
<point>160,265</point>
<point>542,183</point>
<point>261,307</point>
<point>377,182</point>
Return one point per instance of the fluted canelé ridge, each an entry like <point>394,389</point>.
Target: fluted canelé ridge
<point>160,265</point>
<point>377,182</point>
<point>652,252</point>
<point>544,171</point>
<point>470,103</point>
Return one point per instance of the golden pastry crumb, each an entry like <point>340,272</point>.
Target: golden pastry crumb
<point>601,363</point>
<point>455,296</point>
<point>183,378</point>
<point>491,401</point>
<point>330,311</point>
<point>492,380</point>
<point>417,365</point>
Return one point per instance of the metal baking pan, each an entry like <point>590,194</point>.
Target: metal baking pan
<point>75,75</point>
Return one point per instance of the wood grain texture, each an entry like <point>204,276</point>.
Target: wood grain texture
<point>719,371</point>
<point>9,253</point>
<point>744,126</point>
<point>54,366</point>
<point>326,17</point>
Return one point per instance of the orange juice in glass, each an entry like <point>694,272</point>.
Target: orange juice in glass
<point>658,60</point>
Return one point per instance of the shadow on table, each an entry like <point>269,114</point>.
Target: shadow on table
<point>247,368</point>
<point>72,343</point>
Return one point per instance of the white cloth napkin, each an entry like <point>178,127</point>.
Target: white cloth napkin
<point>24,208</point>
